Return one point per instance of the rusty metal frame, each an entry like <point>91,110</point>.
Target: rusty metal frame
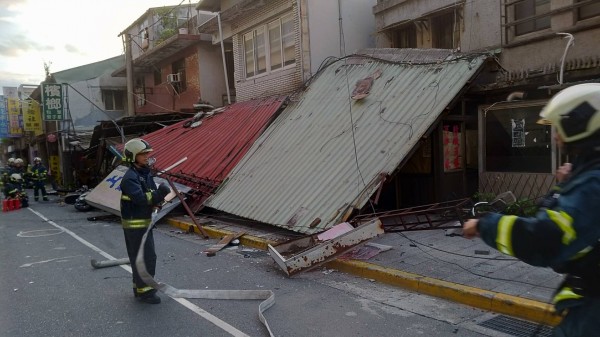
<point>308,252</point>
<point>443,215</point>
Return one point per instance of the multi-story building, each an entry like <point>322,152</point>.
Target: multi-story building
<point>536,48</point>
<point>170,67</point>
<point>277,45</point>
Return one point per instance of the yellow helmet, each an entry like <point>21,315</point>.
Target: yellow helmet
<point>574,112</point>
<point>135,147</point>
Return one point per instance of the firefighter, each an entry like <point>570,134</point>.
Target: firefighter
<point>139,198</point>
<point>12,189</point>
<point>8,172</point>
<point>39,174</point>
<point>18,168</point>
<point>565,232</point>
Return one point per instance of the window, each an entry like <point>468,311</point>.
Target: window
<point>445,32</point>
<point>140,92</point>
<point>113,99</point>
<point>514,142</point>
<point>405,37</point>
<point>588,11</point>
<point>178,67</point>
<point>533,10</point>
<point>270,47</point>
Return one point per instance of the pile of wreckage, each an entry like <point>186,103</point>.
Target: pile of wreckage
<point>312,163</point>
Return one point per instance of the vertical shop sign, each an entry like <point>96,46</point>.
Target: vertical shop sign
<point>3,118</point>
<point>32,117</point>
<point>518,132</point>
<point>15,122</point>
<point>452,138</point>
<point>54,163</point>
<point>52,100</point>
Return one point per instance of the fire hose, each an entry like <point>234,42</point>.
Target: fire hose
<point>267,296</point>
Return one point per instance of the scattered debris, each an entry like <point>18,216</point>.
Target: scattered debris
<point>212,250</point>
<point>310,251</point>
<point>454,232</point>
<point>365,252</point>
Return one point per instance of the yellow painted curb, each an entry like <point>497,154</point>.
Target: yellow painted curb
<point>214,233</point>
<point>531,310</point>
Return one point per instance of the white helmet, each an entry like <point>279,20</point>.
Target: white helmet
<point>11,160</point>
<point>37,160</point>
<point>135,147</point>
<point>18,161</point>
<point>574,112</point>
<point>15,177</point>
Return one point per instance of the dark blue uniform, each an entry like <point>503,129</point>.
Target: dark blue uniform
<point>564,235</point>
<point>139,197</point>
<point>39,172</point>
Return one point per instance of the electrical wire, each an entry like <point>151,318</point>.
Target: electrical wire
<point>418,245</point>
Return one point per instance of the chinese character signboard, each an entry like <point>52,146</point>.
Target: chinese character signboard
<point>52,100</point>
<point>32,118</point>
<point>518,132</point>
<point>452,138</point>
<point>15,123</point>
<point>3,118</point>
<point>54,166</point>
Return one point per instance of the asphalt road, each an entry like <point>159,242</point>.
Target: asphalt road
<point>50,289</point>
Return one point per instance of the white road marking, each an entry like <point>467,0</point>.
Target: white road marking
<point>196,309</point>
<point>39,232</point>
<point>45,261</point>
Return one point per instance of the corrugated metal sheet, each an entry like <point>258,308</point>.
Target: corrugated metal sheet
<point>215,146</point>
<point>311,166</point>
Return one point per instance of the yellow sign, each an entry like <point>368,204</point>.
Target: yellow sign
<point>54,164</point>
<point>32,117</point>
<point>14,114</point>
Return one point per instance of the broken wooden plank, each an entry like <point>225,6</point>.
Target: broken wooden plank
<point>212,250</point>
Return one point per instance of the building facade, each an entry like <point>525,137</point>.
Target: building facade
<point>277,45</point>
<point>537,48</point>
<point>171,67</point>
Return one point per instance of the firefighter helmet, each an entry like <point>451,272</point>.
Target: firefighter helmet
<point>15,177</point>
<point>135,147</point>
<point>11,160</point>
<point>18,161</point>
<point>37,160</point>
<point>574,112</point>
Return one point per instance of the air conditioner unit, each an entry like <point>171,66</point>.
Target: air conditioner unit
<point>173,78</point>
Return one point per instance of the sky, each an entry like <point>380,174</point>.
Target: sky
<point>62,33</point>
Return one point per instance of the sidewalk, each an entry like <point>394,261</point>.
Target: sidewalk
<point>433,262</point>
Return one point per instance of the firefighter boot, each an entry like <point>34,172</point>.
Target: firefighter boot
<point>150,297</point>
<point>147,296</point>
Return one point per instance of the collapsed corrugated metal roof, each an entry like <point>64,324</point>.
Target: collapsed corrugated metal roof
<point>325,154</point>
<point>213,143</point>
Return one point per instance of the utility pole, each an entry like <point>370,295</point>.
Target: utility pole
<point>129,69</point>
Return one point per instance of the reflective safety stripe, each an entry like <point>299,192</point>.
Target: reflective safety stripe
<point>143,290</point>
<point>582,253</point>
<point>125,197</point>
<point>565,223</point>
<point>135,223</point>
<point>149,197</point>
<point>565,293</point>
<point>504,239</point>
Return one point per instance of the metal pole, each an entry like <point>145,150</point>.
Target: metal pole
<point>129,69</point>
<point>223,56</point>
